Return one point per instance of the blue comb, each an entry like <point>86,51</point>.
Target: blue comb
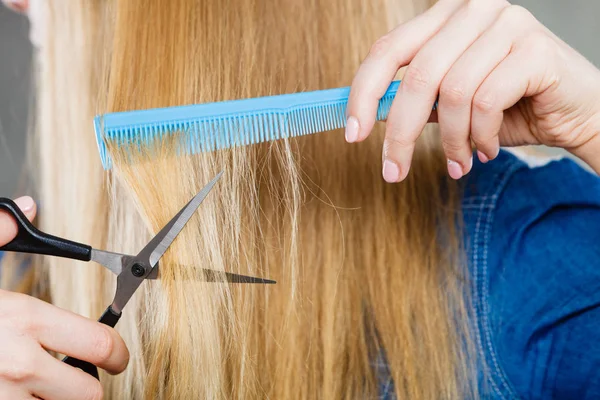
<point>215,126</point>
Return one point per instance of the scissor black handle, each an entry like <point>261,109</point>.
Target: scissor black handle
<point>110,318</point>
<point>29,239</point>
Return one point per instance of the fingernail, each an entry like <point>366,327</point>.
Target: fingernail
<point>391,171</point>
<point>25,203</point>
<point>482,157</point>
<point>352,128</point>
<point>455,170</point>
<point>17,5</point>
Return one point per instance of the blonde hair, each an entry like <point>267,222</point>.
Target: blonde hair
<point>367,272</point>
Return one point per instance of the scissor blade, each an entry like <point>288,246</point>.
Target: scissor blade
<point>212,275</point>
<point>111,261</point>
<point>157,247</point>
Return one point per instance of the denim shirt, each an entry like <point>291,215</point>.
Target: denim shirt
<point>533,240</point>
<point>533,245</point>
<point>534,249</point>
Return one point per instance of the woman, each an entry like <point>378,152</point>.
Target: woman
<point>373,295</point>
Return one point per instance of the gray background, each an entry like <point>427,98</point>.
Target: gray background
<point>15,93</point>
<point>575,21</point>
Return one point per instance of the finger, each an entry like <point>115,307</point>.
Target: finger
<point>518,76</point>
<point>467,75</point>
<point>56,380</point>
<point>386,56</point>
<point>20,6</point>
<point>65,332</point>
<point>28,367</point>
<point>419,89</point>
<point>8,226</point>
<point>13,392</point>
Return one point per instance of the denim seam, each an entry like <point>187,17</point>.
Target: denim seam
<point>477,297</point>
<point>480,255</point>
<point>477,207</point>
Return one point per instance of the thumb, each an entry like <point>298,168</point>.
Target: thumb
<point>8,226</point>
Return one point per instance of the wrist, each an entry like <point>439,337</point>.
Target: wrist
<point>589,151</point>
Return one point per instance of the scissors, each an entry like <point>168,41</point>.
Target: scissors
<point>131,271</point>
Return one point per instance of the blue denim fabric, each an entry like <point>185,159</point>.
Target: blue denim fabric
<point>533,239</point>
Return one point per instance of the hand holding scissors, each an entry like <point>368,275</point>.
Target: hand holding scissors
<point>46,325</point>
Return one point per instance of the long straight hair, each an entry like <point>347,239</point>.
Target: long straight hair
<point>371,289</point>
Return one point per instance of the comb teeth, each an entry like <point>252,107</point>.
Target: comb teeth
<point>215,126</point>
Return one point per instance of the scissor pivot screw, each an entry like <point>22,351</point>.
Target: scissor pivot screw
<point>138,270</point>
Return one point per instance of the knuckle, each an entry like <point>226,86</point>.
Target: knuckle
<point>417,78</point>
<point>26,321</point>
<point>22,370</point>
<point>516,14</point>
<point>396,141</point>
<point>454,93</point>
<point>539,46</point>
<point>484,103</point>
<point>103,345</point>
<point>9,302</point>
<point>486,137</point>
<point>94,391</point>
<point>475,5</point>
<point>18,310</point>
<point>486,4</point>
<point>381,46</point>
<point>451,145</point>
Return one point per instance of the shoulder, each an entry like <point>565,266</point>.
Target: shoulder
<point>556,194</point>
<point>505,175</point>
<point>523,192</point>
<point>535,205</point>
<point>533,234</point>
